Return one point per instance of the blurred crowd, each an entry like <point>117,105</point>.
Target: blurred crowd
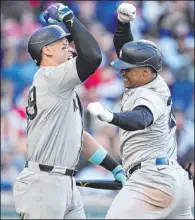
<point>169,24</point>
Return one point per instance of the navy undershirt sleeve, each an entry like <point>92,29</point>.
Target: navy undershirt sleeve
<point>137,119</point>
<point>88,51</point>
<point>122,35</point>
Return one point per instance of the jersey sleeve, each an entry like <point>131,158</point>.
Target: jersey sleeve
<point>150,99</point>
<point>63,77</point>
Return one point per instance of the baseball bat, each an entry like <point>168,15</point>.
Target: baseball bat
<point>100,184</point>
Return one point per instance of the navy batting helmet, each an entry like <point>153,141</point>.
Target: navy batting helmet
<point>137,54</point>
<point>43,37</point>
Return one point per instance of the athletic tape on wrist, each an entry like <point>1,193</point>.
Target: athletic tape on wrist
<point>116,169</point>
<point>98,156</point>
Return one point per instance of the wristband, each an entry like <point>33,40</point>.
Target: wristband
<point>98,156</point>
<point>102,158</point>
<point>116,169</point>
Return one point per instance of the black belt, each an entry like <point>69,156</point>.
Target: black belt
<point>159,161</point>
<point>46,168</point>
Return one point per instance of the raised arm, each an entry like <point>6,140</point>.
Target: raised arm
<point>126,12</point>
<point>88,52</point>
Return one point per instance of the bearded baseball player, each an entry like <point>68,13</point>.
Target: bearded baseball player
<point>157,186</point>
<point>46,188</point>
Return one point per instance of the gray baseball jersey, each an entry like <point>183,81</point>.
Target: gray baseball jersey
<point>54,115</point>
<point>158,139</point>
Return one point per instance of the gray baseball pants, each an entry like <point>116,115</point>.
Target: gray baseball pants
<point>42,195</point>
<point>155,192</point>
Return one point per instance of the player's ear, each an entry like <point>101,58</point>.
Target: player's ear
<point>47,50</point>
<point>145,71</point>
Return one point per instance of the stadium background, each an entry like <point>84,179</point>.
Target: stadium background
<point>170,24</point>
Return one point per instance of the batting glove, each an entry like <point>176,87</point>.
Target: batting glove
<point>120,174</point>
<point>126,12</point>
<point>104,114</point>
<point>56,12</point>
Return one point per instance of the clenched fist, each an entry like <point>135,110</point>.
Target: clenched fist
<point>126,12</point>
<point>96,109</point>
<point>56,12</point>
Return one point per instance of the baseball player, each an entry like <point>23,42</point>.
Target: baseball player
<point>157,187</point>
<point>46,188</point>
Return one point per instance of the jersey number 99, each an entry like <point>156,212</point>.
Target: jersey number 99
<point>31,109</point>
